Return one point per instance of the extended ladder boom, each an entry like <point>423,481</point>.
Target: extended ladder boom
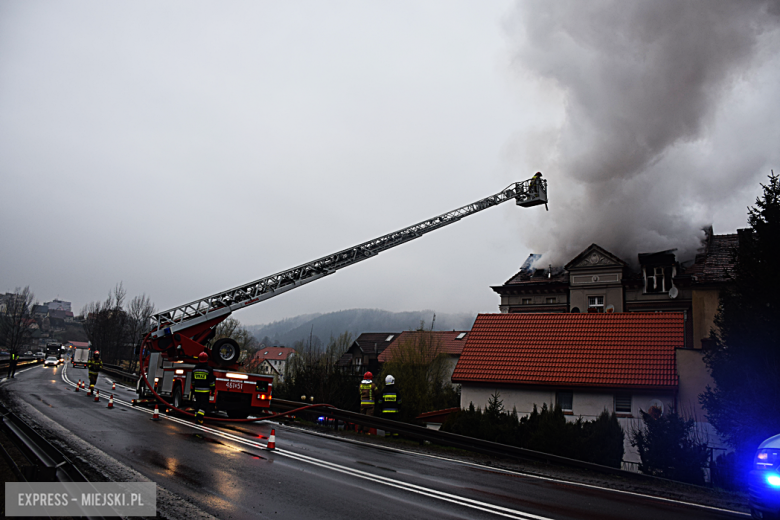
<point>527,193</point>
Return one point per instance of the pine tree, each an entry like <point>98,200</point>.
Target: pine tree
<point>745,363</point>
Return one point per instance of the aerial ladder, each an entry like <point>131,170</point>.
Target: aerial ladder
<point>183,332</point>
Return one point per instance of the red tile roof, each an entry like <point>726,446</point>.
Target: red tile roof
<point>273,353</point>
<point>437,416</point>
<point>450,344</point>
<point>630,350</point>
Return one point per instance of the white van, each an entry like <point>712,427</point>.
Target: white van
<point>80,357</point>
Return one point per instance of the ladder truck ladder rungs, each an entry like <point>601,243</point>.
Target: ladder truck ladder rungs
<point>526,193</point>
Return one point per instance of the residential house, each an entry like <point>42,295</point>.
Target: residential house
<point>596,281</point>
<point>266,367</point>
<point>448,343</point>
<point>39,312</point>
<point>584,362</point>
<point>276,358</point>
<point>58,305</point>
<point>362,356</point>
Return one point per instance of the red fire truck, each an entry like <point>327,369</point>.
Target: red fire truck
<point>239,394</point>
<point>180,334</point>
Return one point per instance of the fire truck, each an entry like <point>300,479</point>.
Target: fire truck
<point>180,334</point>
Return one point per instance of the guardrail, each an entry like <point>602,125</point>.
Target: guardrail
<point>116,371</point>
<point>26,361</point>
<point>466,443</point>
<point>45,463</point>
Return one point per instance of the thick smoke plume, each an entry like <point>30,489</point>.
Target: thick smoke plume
<point>656,107</point>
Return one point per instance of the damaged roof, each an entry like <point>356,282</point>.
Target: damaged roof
<point>716,263</point>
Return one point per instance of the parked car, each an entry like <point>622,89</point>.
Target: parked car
<point>40,355</point>
<point>764,480</point>
<point>51,361</point>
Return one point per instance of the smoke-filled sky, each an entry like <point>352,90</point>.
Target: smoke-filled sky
<point>183,148</point>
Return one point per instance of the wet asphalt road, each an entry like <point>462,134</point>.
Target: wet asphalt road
<point>226,471</point>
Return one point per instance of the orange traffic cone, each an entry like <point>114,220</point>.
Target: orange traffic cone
<point>113,387</point>
<point>78,385</point>
<point>90,391</point>
<point>271,441</point>
<point>156,414</point>
<point>111,401</point>
<point>97,395</point>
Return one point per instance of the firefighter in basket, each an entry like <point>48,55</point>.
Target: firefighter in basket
<point>203,383</point>
<point>93,367</point>
<point>535,184</point>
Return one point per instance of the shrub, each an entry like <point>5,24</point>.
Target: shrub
<point>668,447</point>
<point>599,441</point>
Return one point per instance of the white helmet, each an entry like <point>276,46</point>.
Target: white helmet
<point>389,380</point>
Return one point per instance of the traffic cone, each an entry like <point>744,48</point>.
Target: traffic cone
<point>90,391</point>
<point>271,441</point>
<point>113,387</point>
<point>156,414</point>
<point>97,395</point>
<point>111,402</point>
<point>78,385</point>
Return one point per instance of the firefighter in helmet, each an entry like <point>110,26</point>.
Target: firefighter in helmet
<point>203,383</point>
<point>390,403</point>
<point>93,367</point>
<point>367,389</point>
<point>535,184</point>
<point>12,365</point>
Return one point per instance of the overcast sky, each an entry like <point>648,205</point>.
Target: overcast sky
<point>184,148</point>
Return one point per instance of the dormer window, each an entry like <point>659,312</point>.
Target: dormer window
<point>658,279</point>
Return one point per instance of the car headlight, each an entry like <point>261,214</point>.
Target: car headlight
<point>766,458</point>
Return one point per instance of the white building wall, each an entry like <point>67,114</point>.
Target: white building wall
<point>586,403</point>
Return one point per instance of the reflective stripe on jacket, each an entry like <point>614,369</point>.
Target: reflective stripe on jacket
<point>390,400</point>
<point>94,366</point>
<point>367,388</point>
<point>202,378</point>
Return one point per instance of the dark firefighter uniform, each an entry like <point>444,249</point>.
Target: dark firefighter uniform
<point>12,364</point>
<point>535,184</point>
<point>203,383</point>
<point>390,404</point>
<point>93,367</point>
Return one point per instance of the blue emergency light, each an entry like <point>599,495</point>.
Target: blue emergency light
<point>773,480</point>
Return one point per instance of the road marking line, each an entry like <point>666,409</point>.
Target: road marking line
<point>521,474</point>
<point>432,493</point>
<point>411,487</point>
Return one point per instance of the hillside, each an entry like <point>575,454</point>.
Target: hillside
<point>322,326</point>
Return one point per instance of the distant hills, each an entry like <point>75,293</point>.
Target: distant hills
<point>322,326</point>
